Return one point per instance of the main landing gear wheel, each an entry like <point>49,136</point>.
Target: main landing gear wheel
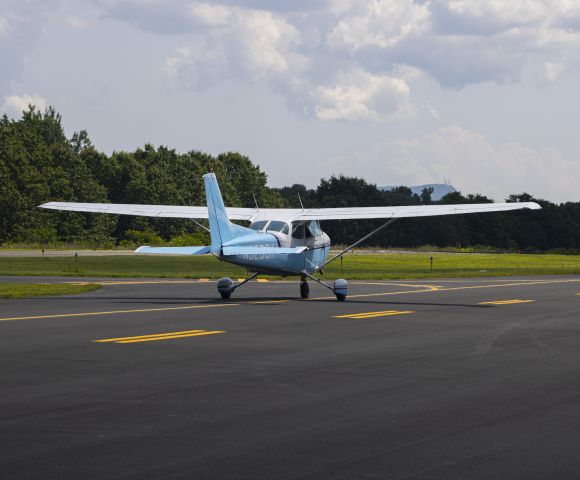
<point>225,287</point>
<point>304,289</point>
<point>340,289</point>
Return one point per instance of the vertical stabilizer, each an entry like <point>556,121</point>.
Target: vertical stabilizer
<point>219,224</point>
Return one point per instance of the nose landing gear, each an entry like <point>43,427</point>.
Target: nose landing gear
<point>304,288</point>
<point>340,287</point>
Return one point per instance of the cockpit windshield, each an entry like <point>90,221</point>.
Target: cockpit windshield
<point>258,226</point>
<point>278,226</point>
<point>314,227</point>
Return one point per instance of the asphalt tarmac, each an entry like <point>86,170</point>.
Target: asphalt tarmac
<point>450,379</point>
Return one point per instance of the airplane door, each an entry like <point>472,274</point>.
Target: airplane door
<point>299,238</point>
<point>308,234</point>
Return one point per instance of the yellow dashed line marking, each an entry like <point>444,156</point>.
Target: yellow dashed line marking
<point>384,313</point>
<point>262,280</point>
<point>265,302</point>
<point>113,312</point>
<point>414,285</point>
<point>139,282</point>
<point>506,302</point>
<point>430,288</point>
<point>160,336</point>
<point>451,289</point>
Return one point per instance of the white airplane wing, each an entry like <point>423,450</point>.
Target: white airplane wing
<point>291,214</point>
<point>162,211</point>
<point>408,211</point>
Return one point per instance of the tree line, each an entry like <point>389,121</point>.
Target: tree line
<point>38,163</point>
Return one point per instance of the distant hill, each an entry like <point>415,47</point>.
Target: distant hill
<point>439,189</point>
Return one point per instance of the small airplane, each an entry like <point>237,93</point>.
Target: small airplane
<point>278,241</point>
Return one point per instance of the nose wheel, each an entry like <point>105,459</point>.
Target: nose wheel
<point>304,289</point>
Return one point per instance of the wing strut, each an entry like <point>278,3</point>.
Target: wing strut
<point>200,225</point>
<point>358,242</point>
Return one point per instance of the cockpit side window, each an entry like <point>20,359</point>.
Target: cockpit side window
<point>306,229</point>
<point>298,230</point>
<point>278,226</point>
<point>258,226</point>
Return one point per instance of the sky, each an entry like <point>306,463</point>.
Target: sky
<point>482,93</point>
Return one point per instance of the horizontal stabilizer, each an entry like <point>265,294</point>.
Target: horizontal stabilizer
<point>261,250</point>
<point>174,250</point>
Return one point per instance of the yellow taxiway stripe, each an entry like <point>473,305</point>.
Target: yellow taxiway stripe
<point>266,302</point>
<point>398,284</point>
<point>384,313</point>
<point>169,337</point>
<point>450,289</point>
<point>139,282</point>
<point>160,336</point>
<point>381,294</point>
<point>114,312</point>
<point>506,302</point>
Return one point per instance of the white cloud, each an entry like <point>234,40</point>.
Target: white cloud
<point>77,23</point>
<point>4,27</point>
<point>198,66</point>
<point>553,70</point>
<point>359,95</point>
<point>267,44</point>
<point>378,23</point>
<point>16,104</point>
<point>458,42</point>
<point>307,50</point>
<point>21,25</point>
<point>210,15</point>
<point>508,13</point>
<point>256,45</point>
<point>475,165</point>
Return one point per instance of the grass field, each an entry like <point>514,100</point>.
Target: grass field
<point>25,290</point>
<point>355,267</point>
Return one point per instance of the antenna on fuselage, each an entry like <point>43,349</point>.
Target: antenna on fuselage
<point>255,201</point>
<point>300,200</point>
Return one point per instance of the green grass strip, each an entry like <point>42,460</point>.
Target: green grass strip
<point>354,267</point>
<point>26,290</point>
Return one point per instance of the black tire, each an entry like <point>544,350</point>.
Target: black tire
<point>226,295</point>
<point>304,290</point>
<point>340,297</point>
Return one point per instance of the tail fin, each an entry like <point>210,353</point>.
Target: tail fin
<point>219,224</point>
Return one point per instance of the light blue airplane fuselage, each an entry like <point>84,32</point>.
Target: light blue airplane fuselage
<point>281,263</point>
<point>270,252</point>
